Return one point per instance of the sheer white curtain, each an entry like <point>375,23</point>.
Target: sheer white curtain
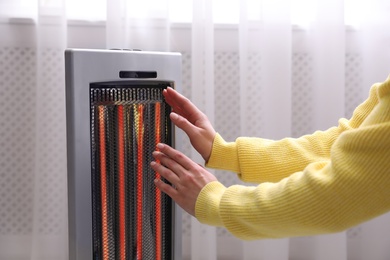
<point>268,68</point>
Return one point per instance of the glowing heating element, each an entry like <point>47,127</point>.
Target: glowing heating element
<point>131,218</point>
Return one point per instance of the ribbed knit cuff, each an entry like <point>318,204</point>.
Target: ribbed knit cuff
<point>223,155</point>
<point>207,204</point>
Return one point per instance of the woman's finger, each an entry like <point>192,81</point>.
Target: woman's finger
<point>182,105</point>
<point>169,163</point>
<point>166,188</point>
<point>183,124</point>
<point>176,156</point>
<point>165,173</point>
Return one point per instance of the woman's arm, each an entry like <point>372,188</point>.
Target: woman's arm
<point>331,195</point>
<point>327,196</point>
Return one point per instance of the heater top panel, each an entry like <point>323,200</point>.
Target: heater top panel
<point>110,65</point>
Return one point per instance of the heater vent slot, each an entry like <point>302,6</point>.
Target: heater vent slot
<point>138,74</point>
<point>131,218</point>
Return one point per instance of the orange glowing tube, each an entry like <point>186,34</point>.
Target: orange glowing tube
<point>157,123</point>
<point>140,133</point>
<point>121,183</point>
<point>103,184</point>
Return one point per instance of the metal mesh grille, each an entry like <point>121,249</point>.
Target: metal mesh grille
<point>131,218</point>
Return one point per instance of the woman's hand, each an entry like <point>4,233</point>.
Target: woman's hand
<point>192,121</point>
<point>187,177</point>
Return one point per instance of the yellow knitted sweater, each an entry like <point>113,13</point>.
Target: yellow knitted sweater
<point>320,183</point>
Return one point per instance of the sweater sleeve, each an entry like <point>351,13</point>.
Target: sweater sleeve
<point>328,195</point>
<point>257,160</point>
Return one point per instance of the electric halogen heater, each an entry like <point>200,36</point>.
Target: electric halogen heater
<point>116,114</point>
